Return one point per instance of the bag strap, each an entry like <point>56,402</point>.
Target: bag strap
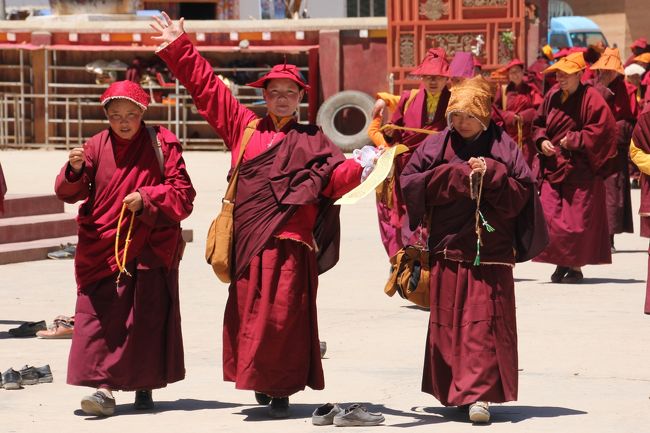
<point>232,185</point>
<point>156,147</point>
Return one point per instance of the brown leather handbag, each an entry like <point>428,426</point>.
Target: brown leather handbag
<point>218,246</point>
<point>410,275</point>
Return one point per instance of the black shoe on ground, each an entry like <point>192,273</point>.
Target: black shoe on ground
<point>44,374</point>
<point>11,379</point>
<point>279,407</point>
<point>560,272</point>
<point>28,329</point>
<point>98,404</point>
<point>28,375</point>
<point>143,400</point>
<point>262,398</point>
<point>573,277</point>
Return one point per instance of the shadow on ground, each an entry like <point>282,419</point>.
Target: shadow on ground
<point>184,404</point>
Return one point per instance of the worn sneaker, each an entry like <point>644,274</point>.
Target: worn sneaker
<point>28,375</point>
<point>323,349</point>
<point>279,407</point>
<point>325,414</point>
<point>143,400</point>
<point>98,404</point>
<point>262,398</point>
<point>61,328</point>
<point>479,412</point>
<point>66,252</point>
<point>357,415</point>
<point>11,379</point>
<point>44,374</point>
<point>28,329</point>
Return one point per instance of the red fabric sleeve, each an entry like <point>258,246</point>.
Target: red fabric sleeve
<point>72,187</point>
<point>448,183</point>
<point>345,177</point>
<point>211,96</point>
<point>505,194</point>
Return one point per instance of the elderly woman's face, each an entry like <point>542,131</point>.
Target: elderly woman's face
<point>466,125</point>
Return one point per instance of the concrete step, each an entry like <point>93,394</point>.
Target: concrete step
<point>31,228</point>
<point>18,252</point>
<point>17,205</point>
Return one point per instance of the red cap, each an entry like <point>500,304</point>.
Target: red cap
<point>281,71</point>
<point>434,63</point>
<point>513,63</point>
<point>639,43</point>
<point>126,90</point>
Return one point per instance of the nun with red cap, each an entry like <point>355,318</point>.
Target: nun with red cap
<point>421,108</point>
<point>515,106</point>
<point>574,132</point>
<point>135,191</point>
<point>621,99</point>
<point>638,47</point>
<point>286,228</point>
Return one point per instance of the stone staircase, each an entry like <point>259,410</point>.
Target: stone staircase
<point>32,226</point>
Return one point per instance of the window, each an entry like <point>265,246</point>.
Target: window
<point>559,40</point>
<point>585,39</point>
<point>366,8</point>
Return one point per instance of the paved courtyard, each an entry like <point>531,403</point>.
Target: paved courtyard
<point>584,350</point>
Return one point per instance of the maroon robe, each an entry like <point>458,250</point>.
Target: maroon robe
<point>621,99</point>
<point>3,190</point>
<point>285,233</point>
<point>572,191</point>
<point>471,350</point>
<point>641,138</point>
<point>391,212</point>
<point>522,101</point>
<point>128,337</point>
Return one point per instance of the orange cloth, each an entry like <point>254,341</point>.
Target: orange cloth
<point>571,64</point>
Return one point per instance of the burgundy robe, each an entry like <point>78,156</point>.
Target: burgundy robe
<point>128,337</point>
<point>572,191</point>
<point>471,350</point>
<point>641,138</point>
<point>3,190</point>
<point>523,101</point>
<point>621,99</point>
<point>391,211</point>
<point>285,233</point>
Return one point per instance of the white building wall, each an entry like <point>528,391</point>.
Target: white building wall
<point>316,8</point>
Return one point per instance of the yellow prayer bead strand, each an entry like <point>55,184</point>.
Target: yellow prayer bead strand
<point>121,265</point>
<point>406,128</point>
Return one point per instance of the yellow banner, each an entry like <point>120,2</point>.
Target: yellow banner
<point>381,172</point>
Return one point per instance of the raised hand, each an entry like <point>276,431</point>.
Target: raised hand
<point>166,29</point>
<point>76,158</point>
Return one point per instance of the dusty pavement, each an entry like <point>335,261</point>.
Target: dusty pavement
<point>584,351</point>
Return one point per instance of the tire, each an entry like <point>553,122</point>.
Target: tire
<point>331,107</point>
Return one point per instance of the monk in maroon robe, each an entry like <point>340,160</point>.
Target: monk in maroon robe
<point>640,154</point>
<point>286,230</point>
<point>515,108</point>
<point>422,110</point>
<point>575,133</point>
<point>472,186</point>
<point>621,99</point>
<point>127,333</point>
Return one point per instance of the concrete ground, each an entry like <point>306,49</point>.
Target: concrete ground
<point>584,350</point>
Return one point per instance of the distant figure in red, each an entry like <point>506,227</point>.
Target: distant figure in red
<point>127,333</point>
<point>471,185</point>
<point>3,190</point>
<point>621,99</point>
<point>423,108</point>
<point>575,133</point>
<point>515,108</point>
<point>286,228</point>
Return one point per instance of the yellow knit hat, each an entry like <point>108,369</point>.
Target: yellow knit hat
<point>473,96</point>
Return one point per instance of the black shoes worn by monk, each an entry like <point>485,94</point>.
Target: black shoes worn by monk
<point>143,400</point>
<point>279,407</point>
<point>98,404</point>
<point>262,398</point>
<point>566,275</point>
<point>560,272</point>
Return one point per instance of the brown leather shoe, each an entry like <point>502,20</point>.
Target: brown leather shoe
<point>61,328</point>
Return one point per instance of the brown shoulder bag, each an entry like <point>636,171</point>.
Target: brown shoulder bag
<point>218,246</point>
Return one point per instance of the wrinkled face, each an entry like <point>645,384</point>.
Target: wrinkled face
<point>568,82</point>
<point>282,96</point>
<point>516,75</point>
<point>466,125</point>
<point>434,83</point>
<point>606,76</point>
<point>124,117</point>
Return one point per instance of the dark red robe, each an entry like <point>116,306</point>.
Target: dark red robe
<point>391,211</point>
<point>285,233</point>
<point>3,190</point>
<point>572,191</point>
<point>128,337</point>
<point>621,99</point>
<point>641,139</point>
<point>471,350</point>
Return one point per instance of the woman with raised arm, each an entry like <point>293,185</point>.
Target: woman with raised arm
<point>286,228</point>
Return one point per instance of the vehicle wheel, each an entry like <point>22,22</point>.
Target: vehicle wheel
<point>345,118</point>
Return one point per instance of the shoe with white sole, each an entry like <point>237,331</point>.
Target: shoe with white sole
<point>479,412</point>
